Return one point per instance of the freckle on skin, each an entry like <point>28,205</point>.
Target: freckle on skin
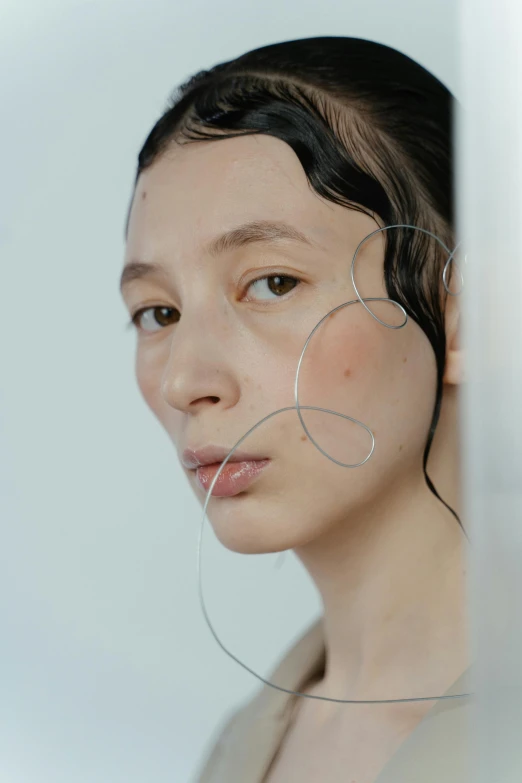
<point>144,194</point>
<point>405,359</point>
<point>303,437</point>
<point>400,447</point>
<point>347,372</point>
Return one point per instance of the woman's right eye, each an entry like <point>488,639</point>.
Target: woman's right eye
<point>159,315</point>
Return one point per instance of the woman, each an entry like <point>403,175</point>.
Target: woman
<point>253,192</point>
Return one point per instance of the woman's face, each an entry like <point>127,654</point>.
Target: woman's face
<point>224,352</point>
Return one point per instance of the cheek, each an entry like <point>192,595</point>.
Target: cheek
<point>380,377</point>
<point>338,375</point>
<point>149,371</point>
<point>339,361</point>
<point>148,380</point>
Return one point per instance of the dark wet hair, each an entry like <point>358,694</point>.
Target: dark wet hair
<point>373,131</point>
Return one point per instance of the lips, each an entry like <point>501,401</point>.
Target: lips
<point>234,478</point>
<point>241,470</point>
<point>209,455</point>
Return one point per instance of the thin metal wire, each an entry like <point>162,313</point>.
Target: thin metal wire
<point>444,273</point>
<point>299,408</point>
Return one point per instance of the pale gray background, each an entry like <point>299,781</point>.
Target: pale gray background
<point>108,671</point>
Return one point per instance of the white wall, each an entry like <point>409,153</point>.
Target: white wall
<point>489,198</point>
<point>108,671</point>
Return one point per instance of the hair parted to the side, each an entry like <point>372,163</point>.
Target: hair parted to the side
<point>373,131</point>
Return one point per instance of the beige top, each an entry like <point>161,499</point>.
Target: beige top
<point>437,749</point>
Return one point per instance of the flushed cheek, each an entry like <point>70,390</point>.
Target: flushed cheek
<point>337,365</point>
<point>267,376</point>
<point>339,376</point>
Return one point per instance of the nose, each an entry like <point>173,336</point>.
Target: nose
<point>200,370</point>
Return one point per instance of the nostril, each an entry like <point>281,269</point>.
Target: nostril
<point>204,401</point>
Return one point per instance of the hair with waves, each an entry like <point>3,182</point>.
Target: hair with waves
<point>373,131</point>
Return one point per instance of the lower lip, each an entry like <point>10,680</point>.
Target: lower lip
<point>233,479</point>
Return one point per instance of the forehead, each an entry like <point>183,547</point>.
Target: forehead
<point>195,191</point>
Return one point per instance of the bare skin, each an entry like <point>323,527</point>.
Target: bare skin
<point>387,557</point>
<point>343,742</point>
<point>353,749</point>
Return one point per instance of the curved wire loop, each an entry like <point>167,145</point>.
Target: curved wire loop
<point>299,408</point>
<point>451,254</point>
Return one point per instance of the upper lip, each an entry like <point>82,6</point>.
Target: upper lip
<point>208,455</point>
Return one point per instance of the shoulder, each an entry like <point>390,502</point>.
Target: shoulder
<point>218,744</point>
<point>262,718</point>
<point>241,743</point>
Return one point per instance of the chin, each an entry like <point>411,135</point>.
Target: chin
<point>249,532</point>
<point>238,540</point>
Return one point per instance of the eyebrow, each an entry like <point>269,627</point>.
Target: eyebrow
<point>245,234</point>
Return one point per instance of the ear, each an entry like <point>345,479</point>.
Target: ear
<point>454,371</point>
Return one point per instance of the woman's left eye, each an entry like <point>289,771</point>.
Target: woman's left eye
<point>278,285</point>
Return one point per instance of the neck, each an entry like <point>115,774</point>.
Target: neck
<point>392,582</point>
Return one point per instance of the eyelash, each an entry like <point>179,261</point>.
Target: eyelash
<point>136,316</point>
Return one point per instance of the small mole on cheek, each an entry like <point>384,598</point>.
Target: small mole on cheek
<point>405,359</point>
<point>347,372</point>
<point>303,437</point>
<point>400,447</point>
<point>144,194</point>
